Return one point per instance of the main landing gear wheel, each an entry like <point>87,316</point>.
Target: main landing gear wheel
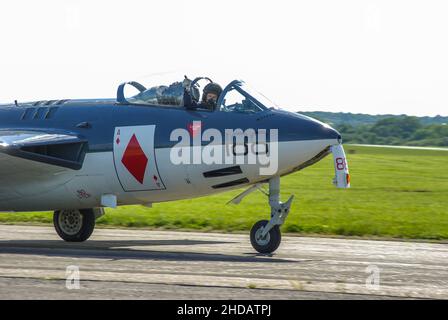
<point>268,243</point>
<point>74,225</point>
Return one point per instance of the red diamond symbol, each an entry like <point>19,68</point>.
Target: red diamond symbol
<point>135,160</point>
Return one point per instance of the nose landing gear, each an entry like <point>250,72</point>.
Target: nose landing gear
<point>265,236</point>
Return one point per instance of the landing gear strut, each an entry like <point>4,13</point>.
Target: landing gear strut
<point>265,236</point>
<point>75,225</point>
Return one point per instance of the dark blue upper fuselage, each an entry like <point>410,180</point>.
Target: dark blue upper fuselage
<point>96,120</point>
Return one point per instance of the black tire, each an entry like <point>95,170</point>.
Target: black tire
<point>270,243</point>
<point>74,225</point>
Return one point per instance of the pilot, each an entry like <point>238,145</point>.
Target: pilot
<point>210,96</point>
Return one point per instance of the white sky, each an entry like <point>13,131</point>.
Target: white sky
<point>352,56</point>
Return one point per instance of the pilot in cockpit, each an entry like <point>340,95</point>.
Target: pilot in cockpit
<point>210,96</point>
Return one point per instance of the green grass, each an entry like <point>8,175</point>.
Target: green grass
<point>395,193</point>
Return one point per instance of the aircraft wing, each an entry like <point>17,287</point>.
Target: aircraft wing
<point>28,150</point>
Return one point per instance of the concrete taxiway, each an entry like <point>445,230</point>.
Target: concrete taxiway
<point>145,264</point>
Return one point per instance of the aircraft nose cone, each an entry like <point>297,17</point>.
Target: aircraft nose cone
<point>322,131</point>
<point>331,133</point>
<point>298,127</point>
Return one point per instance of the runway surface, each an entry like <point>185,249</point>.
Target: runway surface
<point>142,264</point>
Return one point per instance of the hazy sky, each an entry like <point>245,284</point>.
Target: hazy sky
<point>351,56</point>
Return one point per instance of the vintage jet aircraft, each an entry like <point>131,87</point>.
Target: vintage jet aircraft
<point>76,157</point>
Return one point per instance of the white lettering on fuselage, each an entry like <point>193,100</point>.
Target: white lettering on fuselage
<point>236,147</point>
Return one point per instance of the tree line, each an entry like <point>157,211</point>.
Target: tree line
<point>391,130</point>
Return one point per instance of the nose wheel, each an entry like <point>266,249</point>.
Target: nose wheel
<point>267,243</point>
<point>265,236</point>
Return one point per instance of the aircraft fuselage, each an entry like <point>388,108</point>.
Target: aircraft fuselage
<point>128,150</point>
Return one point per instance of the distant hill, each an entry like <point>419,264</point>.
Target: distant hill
<point>387,129</point>
<point>356,119</point>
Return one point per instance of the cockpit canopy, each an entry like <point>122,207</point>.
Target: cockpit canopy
<point>171,95</point>
<point>237,96</point>
<point>240,97</point>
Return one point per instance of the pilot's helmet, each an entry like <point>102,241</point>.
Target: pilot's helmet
<point>211,88</point>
